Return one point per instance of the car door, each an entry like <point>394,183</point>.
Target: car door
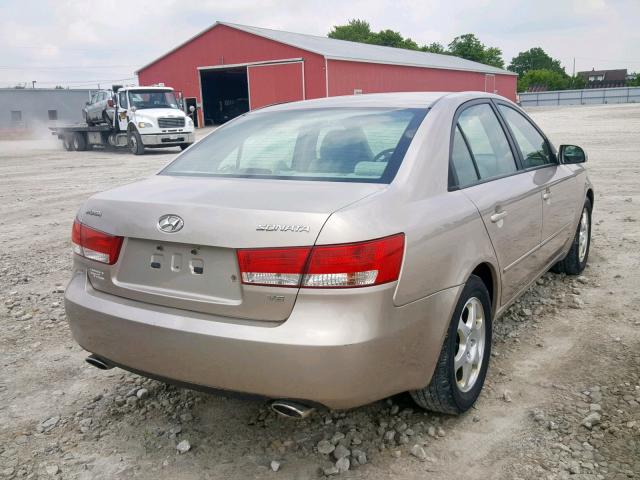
<point>557,182</point>
<point>488,172</point>
<point>123,106</point>
<point>94,108</point>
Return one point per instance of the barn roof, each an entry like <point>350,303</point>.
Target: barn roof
<point>334,49</point>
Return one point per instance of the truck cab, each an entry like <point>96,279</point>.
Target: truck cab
<point>151,117</point>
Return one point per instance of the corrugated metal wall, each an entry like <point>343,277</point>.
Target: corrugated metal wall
<point>279,83</point>
<point>589,96</point>
<point>346,77</point>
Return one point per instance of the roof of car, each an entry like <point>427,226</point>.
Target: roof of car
<point>380,100</point>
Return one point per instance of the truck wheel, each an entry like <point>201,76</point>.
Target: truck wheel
<point>135,142</point>
<point>576,260</point>
<point>462,366</point>
<point>79,142</point>
<point>67,143</point>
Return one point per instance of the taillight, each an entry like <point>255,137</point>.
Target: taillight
<point>359,264</point>
<point>273,266</point>
<point>94,244</point>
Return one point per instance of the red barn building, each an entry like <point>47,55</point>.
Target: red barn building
<point>229,69</point>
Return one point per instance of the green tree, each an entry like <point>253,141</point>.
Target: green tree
<point>470,47</point>
<point>391,38</point>
<point>547,79</point>
<point>635,80</point>
<point>434,48</point>
<point>355,31</point>
<point>466,46</point>
<point>534,59</point>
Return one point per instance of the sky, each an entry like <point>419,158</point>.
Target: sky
<point>83,43</point>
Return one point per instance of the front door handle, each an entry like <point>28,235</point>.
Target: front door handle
<point>496,217</point>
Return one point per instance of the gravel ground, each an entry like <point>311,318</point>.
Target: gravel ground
<point>562,398</point>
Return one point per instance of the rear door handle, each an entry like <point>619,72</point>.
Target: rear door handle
<point>496,217</point>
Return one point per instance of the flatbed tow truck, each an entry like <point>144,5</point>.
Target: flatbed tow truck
<point>143,117</point>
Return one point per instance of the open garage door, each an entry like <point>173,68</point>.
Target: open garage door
<point>275,83</point>
<point>225,94</point>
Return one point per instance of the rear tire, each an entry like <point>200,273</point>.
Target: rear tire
<point>135,142</point>
<point>462,366</point>
<point>79,142</point>
<point>576,260</point>
<point>67,143</point>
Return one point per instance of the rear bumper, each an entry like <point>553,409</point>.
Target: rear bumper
<point>167,139</point>
<point>341,350</point>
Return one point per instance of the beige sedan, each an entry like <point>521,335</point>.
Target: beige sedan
<point>333,251</point>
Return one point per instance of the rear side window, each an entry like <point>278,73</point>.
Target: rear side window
<point>337,144</point>
<point>462,161</point>
<point>532,145</point>
<point>487,141</point>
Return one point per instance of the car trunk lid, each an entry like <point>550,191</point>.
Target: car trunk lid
<point>195,268</point>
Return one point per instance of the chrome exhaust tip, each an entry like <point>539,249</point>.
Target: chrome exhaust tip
<point>291,409</point>
<point>98,362</point>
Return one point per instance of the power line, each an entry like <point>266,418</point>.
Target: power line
<point>62,67</point>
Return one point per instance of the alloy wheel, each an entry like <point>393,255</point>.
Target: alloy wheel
<point>470,344</point>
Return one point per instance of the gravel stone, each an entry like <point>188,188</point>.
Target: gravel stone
<point>325,447</point>
<point>343,464</point>
<point>183,447</point>
<point>418,452</point>
<point>275,465</point>
<point>340,452</point>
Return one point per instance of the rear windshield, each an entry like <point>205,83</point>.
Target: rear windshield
<point>340,144</point>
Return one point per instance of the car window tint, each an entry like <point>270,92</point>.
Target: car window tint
<point>122,99</point>
<point>462,161</point>
<point>487,141</point>
<point>534,148</point>
<point>336,144</point>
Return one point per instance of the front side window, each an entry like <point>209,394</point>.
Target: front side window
<point>532,145</point>
<point>338,144</point>
<point>152,99</point>
<point>487,141</point>
<point>122,99</point>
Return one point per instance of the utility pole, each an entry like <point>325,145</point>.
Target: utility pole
<point>574,67</point>
<point>33,84</point>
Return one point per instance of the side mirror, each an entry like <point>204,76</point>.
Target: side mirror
<point>570,154</point>
<point>192,109</point>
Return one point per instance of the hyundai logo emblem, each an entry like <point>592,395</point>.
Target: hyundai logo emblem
<point>170,223</point>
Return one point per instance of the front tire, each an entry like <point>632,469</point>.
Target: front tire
<point>576,260</point>
<point>135,142</point>
<point>462,366</point>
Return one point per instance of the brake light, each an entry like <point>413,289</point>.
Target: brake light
<point>94,244</point>
<point>359,264</point>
